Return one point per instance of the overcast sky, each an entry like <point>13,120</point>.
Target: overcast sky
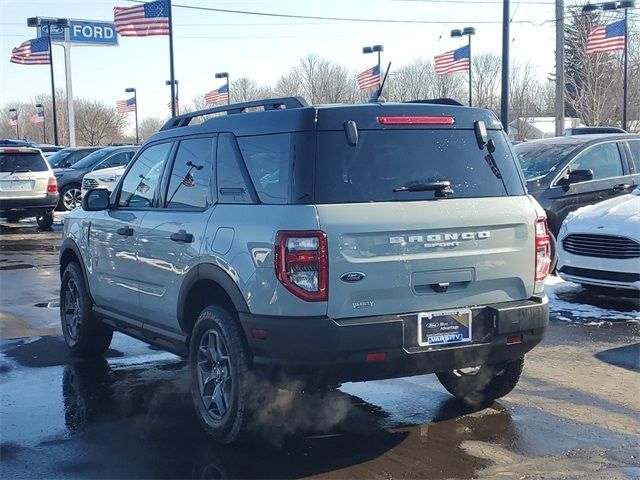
<point>261,47</point>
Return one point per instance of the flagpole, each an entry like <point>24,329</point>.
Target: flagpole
<point>135,99</point>
<point>171,70</point>
<point>469,36</point>
<point>624,84</point>
<point>229,91</point>
<point>53,90</point>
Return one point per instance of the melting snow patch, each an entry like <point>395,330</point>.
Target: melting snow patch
<point>577,312</point>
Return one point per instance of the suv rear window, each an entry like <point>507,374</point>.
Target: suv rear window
<point>384,160</point>
<point>25,162</point>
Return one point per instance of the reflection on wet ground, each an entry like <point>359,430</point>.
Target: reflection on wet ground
<point>130,416</point>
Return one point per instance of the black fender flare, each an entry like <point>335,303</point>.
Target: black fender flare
<point>208,271</point>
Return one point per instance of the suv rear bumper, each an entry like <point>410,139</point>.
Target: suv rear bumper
<point>29,206</point>
<point>336,350</point>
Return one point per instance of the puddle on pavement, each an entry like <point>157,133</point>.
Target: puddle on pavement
<point>51,304</point>
<point>16,266</point>
<point>141,414</point>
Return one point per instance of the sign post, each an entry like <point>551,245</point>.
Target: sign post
<point>78,33</point>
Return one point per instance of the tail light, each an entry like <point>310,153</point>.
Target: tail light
<point>543,249</point>
<point>301,262</point>
<point>52,185</point>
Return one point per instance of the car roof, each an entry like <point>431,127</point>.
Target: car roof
<point>322,117</point>
<point>7,149</point>
<point>581,139</point>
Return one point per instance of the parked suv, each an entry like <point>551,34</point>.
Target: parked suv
<point>334,243</point>
<point>27,186</point>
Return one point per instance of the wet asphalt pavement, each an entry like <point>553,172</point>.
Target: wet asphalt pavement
<point>574,414</point>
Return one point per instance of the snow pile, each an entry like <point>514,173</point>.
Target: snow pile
<point>576,312</point>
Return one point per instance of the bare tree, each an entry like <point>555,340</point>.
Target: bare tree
<point>485,80</point>
<point>148,126</point>
<point>97,123</point>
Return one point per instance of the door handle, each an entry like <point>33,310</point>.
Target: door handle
<point>621,187</point>
<point>125,231</point>
<point>181,236</point>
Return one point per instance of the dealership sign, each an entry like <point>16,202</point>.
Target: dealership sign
<point>82,32</point>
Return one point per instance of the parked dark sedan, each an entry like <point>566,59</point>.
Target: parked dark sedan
<point>66,157</point>
<point>566,173</point>
<point>70,179</point>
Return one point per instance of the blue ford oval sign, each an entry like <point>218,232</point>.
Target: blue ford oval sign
<point>351,277</point>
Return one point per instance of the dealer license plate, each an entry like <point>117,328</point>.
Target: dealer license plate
<point>16,185</point>
<point>445,327</point>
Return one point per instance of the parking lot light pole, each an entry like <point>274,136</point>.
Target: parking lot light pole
<point>175,103</point>
<point>135,103</point>
<point>225,75</point>
<point>468,31</point>
<point>44,122</point>
<point>63,23</point>
<point>612,6</point>
<point>13,116</point>
<point>378,49</point>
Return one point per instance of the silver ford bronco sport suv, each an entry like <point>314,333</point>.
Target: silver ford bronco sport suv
<point>335,243</point>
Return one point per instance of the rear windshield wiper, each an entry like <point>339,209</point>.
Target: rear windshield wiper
<point>20,170</point>
<point>441,188</point>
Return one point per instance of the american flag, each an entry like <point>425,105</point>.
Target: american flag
<point>128,105</point>
<point>13,119</point>
<point>453,61</point>
<point>151,18</point>
<point>369,78</point>
<point>188,180</point>
<point>218,96</point>
<point>32,52</point>
<point>177,106</point>
<point>607,38</point>
<point>37,117</point>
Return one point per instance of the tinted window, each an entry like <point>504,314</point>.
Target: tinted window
<point>67,157</point>
<point>190,181</point>
<point>141,181</point>
<point>233,184</point>
<point>604,160</point>
<point>117,160</point>
<point>268,159</point>
<point>539,159</point>
<point>386,160</point>
<point>25,162</point>
<point>92,159</point>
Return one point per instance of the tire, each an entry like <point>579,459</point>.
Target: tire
<point>489,383</point>
<point>45,220</point>
<point>84,336</point>
<point>217,353</point>
<point>70,197</point>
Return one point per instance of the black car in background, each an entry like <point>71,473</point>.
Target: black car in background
<point>566,173</point>
<point>68,156</point>
<point>70,179</point>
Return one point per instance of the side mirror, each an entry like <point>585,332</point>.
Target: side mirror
<point>578,176</point>
<point>95,200</point>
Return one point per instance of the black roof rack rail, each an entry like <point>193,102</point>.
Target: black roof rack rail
<point>268,104</point>
<point>438,101</point>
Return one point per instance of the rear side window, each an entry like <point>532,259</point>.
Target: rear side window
<point>190,181</point>
<point>22,162</point>
<point>117,160</point>
<point>268,159</point>
<point>233,181</point>
<point>388,160</point>
<point>634,146</point>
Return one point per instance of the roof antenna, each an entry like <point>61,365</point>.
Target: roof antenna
<point>378,92</point>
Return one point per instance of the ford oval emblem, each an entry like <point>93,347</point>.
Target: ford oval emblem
<point>351,277</point>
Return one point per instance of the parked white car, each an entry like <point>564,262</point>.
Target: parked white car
<point>105,178</point>
<point>599,245</point>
